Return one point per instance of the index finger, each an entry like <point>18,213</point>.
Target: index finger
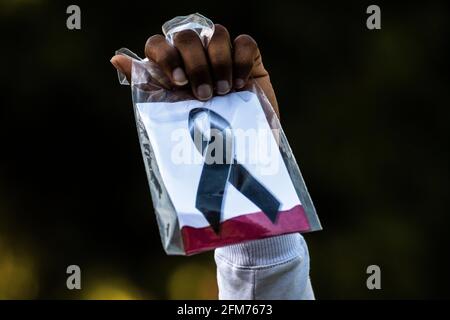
<point>123,64</point>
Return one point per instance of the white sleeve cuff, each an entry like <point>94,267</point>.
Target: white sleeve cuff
<point>264,252</point>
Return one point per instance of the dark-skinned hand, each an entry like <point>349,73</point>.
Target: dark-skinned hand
<point>215,70</point>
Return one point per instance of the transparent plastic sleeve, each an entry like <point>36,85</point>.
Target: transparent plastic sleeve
<point>200,204</point>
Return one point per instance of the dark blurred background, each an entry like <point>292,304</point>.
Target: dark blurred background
<point>366,114</point>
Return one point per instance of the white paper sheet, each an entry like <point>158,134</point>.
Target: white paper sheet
<point>180,163</point>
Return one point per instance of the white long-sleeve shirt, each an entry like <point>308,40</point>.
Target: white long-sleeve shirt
<point>272,268</point>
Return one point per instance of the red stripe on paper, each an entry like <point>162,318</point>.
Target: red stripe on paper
<point>243,228</point>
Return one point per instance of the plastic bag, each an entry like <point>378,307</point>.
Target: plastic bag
<point>220,172</point>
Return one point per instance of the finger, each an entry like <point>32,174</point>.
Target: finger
<point>123,64</point>
<point>167,57</point>
<point>195,62</point>
<point>219,52</point>
<point>246,53</point>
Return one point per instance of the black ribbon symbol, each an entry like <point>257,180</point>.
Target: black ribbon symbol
<point>215,174</point>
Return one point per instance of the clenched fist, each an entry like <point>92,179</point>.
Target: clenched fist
<point>218,69</point>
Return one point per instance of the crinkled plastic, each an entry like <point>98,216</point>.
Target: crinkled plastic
<point>201,205</point>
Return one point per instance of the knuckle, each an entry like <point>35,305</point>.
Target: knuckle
<point>154,45</point>
<point>154,41</point>
<point>185,37</point>
<point>220,31</point>
<point>245,41</point>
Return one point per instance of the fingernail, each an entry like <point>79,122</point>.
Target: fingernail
<point>116,65</point>
<point>204,91</point>
<point>222,87</point>
<point>239,83</point>
<point>179,77</point>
